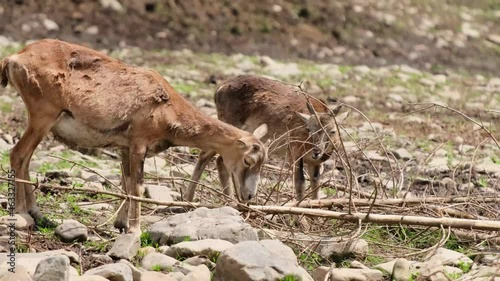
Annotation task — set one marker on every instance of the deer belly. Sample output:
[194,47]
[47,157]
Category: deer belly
[76,133]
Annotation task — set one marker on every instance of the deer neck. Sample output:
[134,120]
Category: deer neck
[204,132]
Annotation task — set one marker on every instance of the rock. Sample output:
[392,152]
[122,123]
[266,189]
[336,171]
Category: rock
[113,272]
[401,270]
[126,246]
[4,146]
[156,276]
[362,69]
[493,259]
[252,261]
[95,206]
[163,249]
[373,155]
[427,82]
[22,222]
[437,165]
[92,30]
[147,250]
[20,273]
[431,268]
[50,25]
[101,259]
[8,138]
[452,270]
[158,192]
[162,261]
[354,274]
[222,223]
[334,249]
[30,261]
[112,4]
[53,269]
[283,70]
[136,272]
[88,278]
[207,247]
[409,70]
[488,167]
[403,154]
[449,257]
[469,31]
[319,273]
[199,273]
[439,78]
[71,231]
[195,261]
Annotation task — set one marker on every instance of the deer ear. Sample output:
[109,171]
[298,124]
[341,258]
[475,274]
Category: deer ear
[340,118]
[260,131]
[335,110]
[310,108]
[303,116]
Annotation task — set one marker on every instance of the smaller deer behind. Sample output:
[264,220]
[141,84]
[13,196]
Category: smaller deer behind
[249,101]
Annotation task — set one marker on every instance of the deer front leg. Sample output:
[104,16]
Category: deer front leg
[299,179]
[121,221]
[224,177]
[137,156]
[314,177]
[20,158]
[201,164]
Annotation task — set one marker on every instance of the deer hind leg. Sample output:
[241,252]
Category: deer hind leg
[137,157]
[224,177]
[121,221]
[314,172]
[299,179]
[20,157]
[201,164]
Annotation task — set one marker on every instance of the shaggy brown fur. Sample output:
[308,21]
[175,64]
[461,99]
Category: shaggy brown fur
[90,100]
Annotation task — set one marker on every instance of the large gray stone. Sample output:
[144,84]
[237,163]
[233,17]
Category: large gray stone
[207,247]
[30,261]
[71,231]
[112,272]
[335,249]
[355,274]
[153,260]
[222,223]
[199,273]
[88,278]
[126,246]
[449,257]
[252,261]
[158,192]
[53,269]
[401,270]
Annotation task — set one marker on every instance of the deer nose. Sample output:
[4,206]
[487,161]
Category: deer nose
[315,153]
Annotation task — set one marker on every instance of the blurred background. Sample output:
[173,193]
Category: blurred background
[430,35]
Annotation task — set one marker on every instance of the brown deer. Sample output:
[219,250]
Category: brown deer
[90,100]
[248,101]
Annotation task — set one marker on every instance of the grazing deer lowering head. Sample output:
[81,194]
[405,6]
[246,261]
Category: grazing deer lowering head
[248,101]
[90,100]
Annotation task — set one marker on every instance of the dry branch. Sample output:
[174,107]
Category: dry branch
[384,219]
[328,203]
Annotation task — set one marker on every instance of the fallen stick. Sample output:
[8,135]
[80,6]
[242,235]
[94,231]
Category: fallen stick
[354,217]
[328,203]
[383,219]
